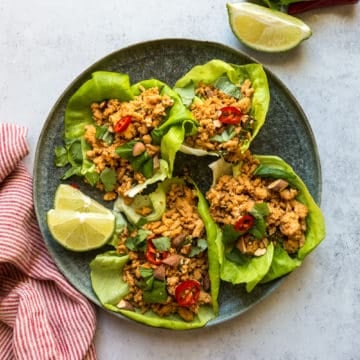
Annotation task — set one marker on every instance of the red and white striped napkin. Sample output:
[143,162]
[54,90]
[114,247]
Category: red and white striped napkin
[41,315]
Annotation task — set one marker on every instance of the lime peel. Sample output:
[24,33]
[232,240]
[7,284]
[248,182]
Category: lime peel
[265,29]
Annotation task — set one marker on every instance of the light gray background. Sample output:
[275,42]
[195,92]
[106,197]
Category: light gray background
[315,313]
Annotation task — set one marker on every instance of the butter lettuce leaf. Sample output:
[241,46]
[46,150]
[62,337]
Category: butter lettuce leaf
[215,71]
[276,262]
[315,221]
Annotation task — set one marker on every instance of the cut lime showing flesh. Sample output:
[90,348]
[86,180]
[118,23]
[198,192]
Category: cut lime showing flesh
[68,197]
[264,29]
[78,222]
[80,231]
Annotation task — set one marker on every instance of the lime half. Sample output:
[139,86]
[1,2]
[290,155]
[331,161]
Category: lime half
[264,29]
[79,223]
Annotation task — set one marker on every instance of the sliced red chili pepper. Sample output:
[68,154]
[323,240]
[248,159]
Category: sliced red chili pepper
[122,124]
[187,293]
[245,223]
[154,256]
[230,115]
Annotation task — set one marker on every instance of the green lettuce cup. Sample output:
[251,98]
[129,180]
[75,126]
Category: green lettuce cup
[229,103]
[111,124]
[165,269]
[270,221]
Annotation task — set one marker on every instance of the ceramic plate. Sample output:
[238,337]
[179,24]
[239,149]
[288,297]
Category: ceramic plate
[286,133]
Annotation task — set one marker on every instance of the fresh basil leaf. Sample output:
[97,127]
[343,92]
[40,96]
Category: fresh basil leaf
[146,272]
[226,135]
[237,257]
[103,133]
[125,151]
[162,243]
[148,168]
[201,245]
[259,212]
[273,172]
[230,235]
[108,178]
[226,86]
[61,156]
[157,294]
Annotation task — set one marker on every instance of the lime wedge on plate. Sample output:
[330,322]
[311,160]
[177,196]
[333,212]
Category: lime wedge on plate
[68,197]
[79,223]
[264,29]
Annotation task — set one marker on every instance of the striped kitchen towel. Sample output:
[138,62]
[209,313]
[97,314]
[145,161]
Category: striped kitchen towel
[41,315]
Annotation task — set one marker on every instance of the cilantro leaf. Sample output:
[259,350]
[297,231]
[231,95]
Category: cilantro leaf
[137,242]
[103,133]
[162,243]
[201,246]
[226,135]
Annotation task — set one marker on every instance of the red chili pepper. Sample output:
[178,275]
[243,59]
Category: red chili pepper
[122,124]
[302,6]
[187,293]
[230,115]
[245,223]
[153,256]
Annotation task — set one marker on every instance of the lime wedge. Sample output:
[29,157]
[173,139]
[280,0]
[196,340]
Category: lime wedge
[68,197]
[264,29]
[78,222]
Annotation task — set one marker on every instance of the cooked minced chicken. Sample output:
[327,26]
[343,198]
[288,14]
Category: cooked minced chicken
[147,111]
[234,196]
[207,113]
[183,225]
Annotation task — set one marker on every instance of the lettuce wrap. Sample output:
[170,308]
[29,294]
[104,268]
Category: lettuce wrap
[237,267]
[175,124]
[227,79]
[108,270]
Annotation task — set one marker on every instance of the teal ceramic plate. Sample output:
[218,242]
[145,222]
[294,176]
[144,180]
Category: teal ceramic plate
[286,133]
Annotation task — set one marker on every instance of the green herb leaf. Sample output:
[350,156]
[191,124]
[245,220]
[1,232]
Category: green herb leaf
[75,152]
[125,151]
[61,156]
[226,86]
[75,170]
[92,177]
[148,278]
[230,235]
[103,133]
[157,294]
[237,257]
[162,243]
[137,242]
[259,212]
[226,135]
[108,178]
[201,246]
[273,172]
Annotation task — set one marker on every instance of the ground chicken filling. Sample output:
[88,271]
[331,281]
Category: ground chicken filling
[213,134]
[234,196]
[146,112]
[181,263]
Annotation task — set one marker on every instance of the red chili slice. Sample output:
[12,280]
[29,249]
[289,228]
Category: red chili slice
[187,293]
[122,124]
[153,256]
[230,115]
[245,223]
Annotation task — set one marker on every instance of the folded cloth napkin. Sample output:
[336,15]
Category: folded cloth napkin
[41,315]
